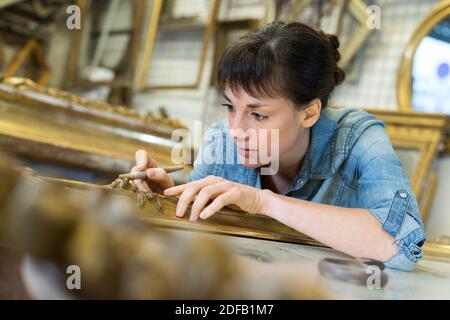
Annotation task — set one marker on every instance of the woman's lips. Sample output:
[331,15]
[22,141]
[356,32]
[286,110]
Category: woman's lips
[245,152]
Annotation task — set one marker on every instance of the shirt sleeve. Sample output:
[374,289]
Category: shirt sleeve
[384,189]
[205,163]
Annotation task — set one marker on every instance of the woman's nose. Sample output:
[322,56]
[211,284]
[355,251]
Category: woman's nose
[238,128]
[238,134]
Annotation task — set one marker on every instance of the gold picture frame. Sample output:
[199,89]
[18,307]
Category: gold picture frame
[425,133]
[32,49]
[358,10]
[175,25]
[72,62]
[127,63]
[404,74]
[433,250]
[60,128]
[160,212]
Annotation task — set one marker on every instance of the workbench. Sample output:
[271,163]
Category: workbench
[272,261]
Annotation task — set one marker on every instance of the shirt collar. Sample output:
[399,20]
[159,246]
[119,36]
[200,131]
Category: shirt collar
[318,163]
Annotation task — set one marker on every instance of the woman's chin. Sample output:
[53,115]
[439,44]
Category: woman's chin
[250,163]
[253,166]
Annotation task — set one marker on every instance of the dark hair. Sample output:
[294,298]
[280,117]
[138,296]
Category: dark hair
[288,59]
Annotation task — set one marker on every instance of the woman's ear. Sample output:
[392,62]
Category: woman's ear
[311,114]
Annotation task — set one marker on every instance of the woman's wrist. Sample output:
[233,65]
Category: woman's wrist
[280,207]
[268,202]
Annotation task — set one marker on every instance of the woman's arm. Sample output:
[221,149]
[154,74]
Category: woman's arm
[353,231]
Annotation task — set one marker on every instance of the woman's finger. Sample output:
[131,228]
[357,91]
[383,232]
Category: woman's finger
[141,184]
[190,192]
[144,160]
[217,204]
[176,190]
[161,177]
[201,183]
[141,160]
[204,196]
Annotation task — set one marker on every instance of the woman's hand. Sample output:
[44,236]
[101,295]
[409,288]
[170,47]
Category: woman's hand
[223,192]
[157,179]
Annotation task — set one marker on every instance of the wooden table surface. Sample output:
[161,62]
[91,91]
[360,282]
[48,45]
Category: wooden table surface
[273,261]
[429,280]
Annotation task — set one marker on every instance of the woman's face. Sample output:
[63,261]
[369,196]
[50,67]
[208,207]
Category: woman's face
[262,128]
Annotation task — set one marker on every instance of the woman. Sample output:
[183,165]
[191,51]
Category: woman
[338,179]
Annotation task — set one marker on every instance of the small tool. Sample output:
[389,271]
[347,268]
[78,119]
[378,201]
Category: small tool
[358,271]
[125,180]
[143,174]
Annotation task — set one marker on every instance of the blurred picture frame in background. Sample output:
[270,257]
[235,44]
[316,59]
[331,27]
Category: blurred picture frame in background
[166,42]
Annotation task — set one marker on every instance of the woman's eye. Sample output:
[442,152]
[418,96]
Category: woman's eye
[259,117]
[229,107]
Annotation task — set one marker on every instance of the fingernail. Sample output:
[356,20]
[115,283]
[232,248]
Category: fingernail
[168,191]
[178,211]
[150,173]
[203,215]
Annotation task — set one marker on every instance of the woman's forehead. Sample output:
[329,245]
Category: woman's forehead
[241,96]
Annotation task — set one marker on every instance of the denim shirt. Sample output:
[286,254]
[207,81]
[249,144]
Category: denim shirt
[350,163]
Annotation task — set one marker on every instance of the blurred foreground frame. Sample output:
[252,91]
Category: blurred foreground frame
[126,252]
[121,251]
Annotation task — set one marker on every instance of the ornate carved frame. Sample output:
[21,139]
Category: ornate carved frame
[404,73]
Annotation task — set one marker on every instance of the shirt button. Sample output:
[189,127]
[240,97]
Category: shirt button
[403,195]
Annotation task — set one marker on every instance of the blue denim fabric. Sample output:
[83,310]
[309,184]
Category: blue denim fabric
[350,163]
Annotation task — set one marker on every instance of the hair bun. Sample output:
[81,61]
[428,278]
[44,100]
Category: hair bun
[339,75]
[334,42]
